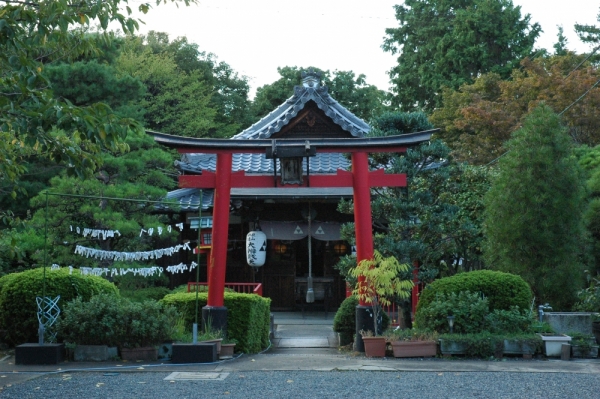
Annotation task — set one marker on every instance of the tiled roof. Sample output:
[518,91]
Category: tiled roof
[189,198]
[282,115]
[258,163]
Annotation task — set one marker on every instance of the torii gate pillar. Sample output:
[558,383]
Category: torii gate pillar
[215,310]
[364,235]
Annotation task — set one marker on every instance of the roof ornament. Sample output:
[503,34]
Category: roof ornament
[311,78]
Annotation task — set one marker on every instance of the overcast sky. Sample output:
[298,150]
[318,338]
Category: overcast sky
[256,36]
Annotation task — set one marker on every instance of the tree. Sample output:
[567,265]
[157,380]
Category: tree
[478,118]
[436,220]
[588,33]
[225,90]
[146,172]
[353,92]
[534,209]
[448,43]
[32,120]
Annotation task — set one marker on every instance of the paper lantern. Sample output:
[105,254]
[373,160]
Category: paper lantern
[256,248]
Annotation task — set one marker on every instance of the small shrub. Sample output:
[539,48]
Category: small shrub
[248,317]
[469,311]
[115,321]
[18,307]
[508,321]
[98,321]
[479,345]
[588,300]
[144,294]
[503,290]
[411,334]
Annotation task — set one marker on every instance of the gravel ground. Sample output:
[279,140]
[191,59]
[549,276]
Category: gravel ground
[311,384]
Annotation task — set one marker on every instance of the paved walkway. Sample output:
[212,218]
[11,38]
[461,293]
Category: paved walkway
[304,330]
[303,343]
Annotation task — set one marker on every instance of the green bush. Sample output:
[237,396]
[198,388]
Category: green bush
[18,307]
[485,344]
[502,290]
[98,321]
[480,345]
[469,311]
[344,320]
[509,321]
[144,294]
[114,321]
[248,317]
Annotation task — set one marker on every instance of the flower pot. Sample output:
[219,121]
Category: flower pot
[414,348]
[226,351]
[517,347]
[134,354]
[553,343]
[217,341]
[448,347]
[94,353]
[586,353]
[374,346]
[596,330]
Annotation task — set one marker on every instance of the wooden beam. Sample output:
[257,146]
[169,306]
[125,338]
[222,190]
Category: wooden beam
[342,178]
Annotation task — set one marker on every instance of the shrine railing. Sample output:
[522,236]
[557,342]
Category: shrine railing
[242,288]
[394,312]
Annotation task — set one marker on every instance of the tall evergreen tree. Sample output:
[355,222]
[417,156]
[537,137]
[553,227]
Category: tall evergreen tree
[534,210]
[447,43]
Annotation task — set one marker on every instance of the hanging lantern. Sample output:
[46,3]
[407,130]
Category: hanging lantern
[340,248]
[280,248]
[256,248]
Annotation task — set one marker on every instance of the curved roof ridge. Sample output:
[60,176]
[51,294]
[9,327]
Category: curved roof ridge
[275,120]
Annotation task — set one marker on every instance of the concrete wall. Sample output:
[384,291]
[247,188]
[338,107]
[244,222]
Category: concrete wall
[566,322]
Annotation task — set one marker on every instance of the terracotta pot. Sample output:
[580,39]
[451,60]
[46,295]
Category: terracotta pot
[374,346]
[218,341]
[145,353]
[226,351]
[414,348]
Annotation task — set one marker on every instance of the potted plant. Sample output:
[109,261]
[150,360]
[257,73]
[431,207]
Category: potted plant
[374,345]
[91,330]
[382,280]
[413,342]
[146,325]
[227,348]
[522,344]
[583,345]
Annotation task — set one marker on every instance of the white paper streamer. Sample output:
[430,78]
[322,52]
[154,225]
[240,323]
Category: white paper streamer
[129,256]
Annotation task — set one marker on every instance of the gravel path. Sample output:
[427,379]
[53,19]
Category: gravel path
[311,384]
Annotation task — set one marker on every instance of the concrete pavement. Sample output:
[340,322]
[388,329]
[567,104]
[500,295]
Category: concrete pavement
[303,343]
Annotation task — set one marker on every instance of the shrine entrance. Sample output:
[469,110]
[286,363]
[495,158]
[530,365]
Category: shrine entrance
[285,275]
[297,152]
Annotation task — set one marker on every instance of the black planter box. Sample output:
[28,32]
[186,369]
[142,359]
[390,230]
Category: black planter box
[194,353]
[40,354]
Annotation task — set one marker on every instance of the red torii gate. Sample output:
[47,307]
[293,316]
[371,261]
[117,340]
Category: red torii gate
[360,179]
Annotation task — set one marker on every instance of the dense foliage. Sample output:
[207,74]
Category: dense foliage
[534,211]
[248,317]
[18,308]
[501,290]
[353,92]
[113,321]
[477,119]
[447,43]
[33,121]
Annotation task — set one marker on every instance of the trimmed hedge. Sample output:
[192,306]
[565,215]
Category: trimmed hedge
[114,321]
[503,290]
[248,317]
[18,307]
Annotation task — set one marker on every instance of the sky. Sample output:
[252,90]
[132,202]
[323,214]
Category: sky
[256,36]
